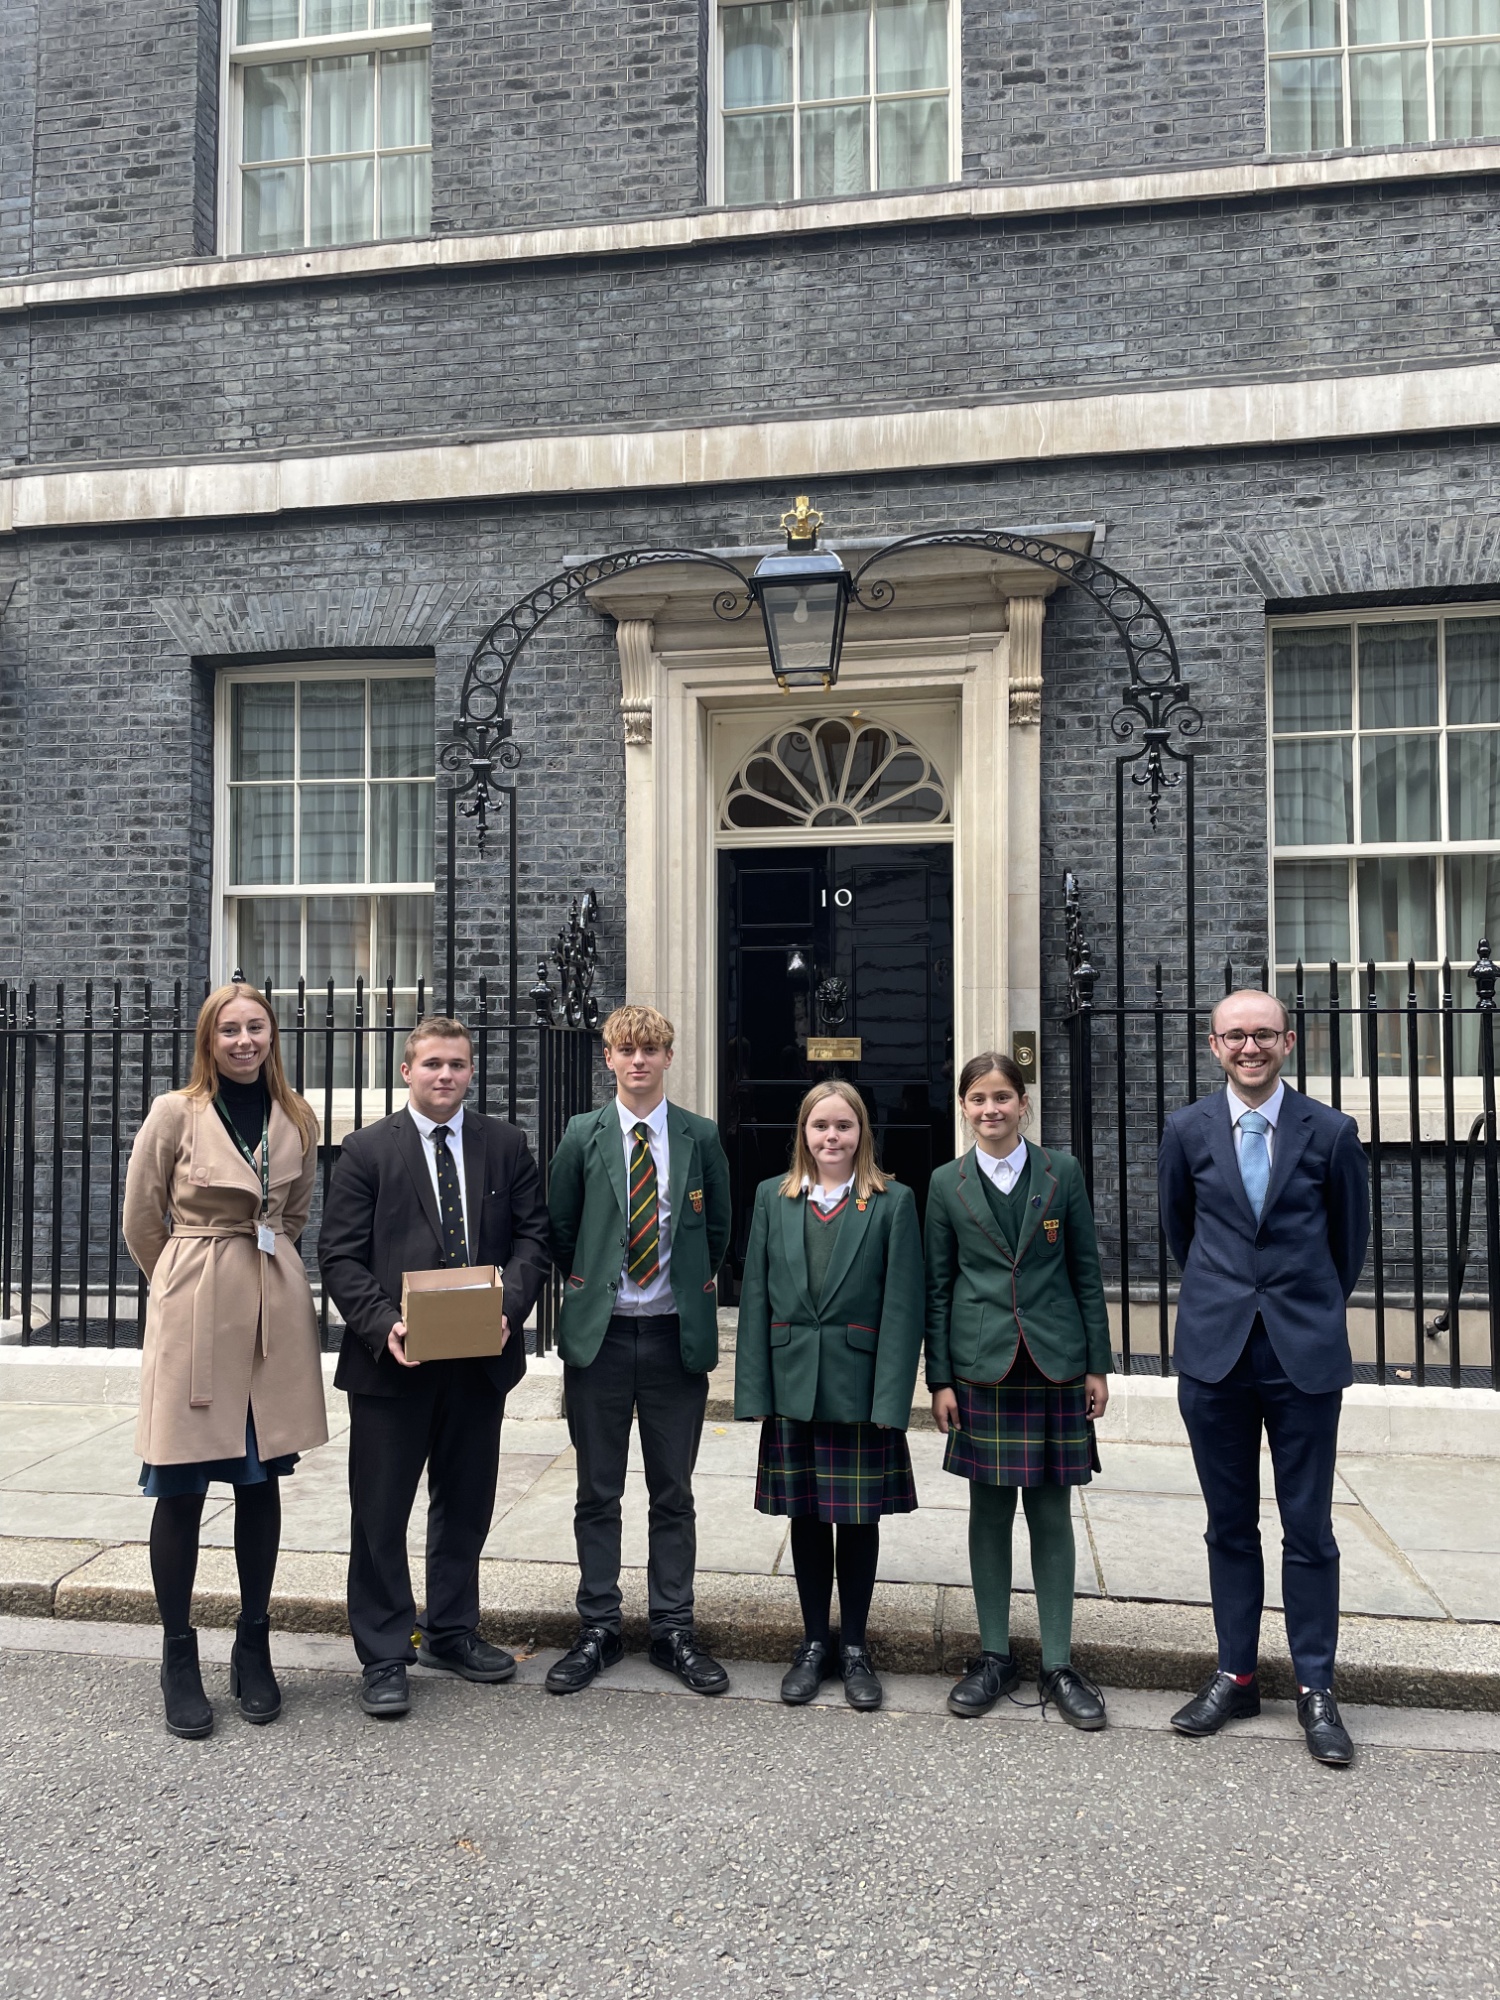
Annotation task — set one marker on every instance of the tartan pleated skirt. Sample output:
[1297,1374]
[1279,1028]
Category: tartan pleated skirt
[849,1474]
[1024,1431]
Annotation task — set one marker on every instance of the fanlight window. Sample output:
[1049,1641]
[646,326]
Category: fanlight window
[836,773]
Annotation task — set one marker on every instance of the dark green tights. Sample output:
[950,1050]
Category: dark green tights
[1049,1519]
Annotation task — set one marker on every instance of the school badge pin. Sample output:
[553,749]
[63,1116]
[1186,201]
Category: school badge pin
[861,1204]
[1051,1224]
[695,1196]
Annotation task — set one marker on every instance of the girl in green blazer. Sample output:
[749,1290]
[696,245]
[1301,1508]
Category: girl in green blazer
[1018,1349]
[826,1356]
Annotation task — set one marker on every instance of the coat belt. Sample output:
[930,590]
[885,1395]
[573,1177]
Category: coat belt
[201,1383]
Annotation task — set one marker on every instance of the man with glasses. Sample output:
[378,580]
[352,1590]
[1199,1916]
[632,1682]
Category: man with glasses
[1265,1201]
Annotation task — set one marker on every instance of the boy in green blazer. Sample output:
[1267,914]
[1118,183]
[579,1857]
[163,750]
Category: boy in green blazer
[640,1212]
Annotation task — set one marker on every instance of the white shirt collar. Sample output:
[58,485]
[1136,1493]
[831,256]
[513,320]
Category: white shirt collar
[1270,1110]
[826,1197]
[1015,1161]
[654,1121]
[427,1126]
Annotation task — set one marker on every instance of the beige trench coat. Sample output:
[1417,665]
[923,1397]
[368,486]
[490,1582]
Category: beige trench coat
[227,1327]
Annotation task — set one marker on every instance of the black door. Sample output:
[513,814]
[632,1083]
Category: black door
[835,942]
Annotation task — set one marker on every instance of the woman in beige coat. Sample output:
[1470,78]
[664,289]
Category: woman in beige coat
[218,1189]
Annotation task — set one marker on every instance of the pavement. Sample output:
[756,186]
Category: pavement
[639,1841]
[1419,1533]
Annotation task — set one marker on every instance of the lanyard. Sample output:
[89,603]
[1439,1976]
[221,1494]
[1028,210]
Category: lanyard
[245,1152]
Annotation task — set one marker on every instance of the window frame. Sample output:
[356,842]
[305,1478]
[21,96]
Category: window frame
[1345,50]
[716,116]
[234,61]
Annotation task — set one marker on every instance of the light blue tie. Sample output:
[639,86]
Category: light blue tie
[1255,1158]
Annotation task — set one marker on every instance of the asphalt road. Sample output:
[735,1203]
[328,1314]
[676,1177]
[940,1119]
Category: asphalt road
[503,1842]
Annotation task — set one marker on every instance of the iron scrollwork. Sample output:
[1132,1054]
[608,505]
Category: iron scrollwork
[575,954]
[1082,976]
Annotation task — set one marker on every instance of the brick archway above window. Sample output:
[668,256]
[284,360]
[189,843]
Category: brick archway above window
[403,617]
[1364,559]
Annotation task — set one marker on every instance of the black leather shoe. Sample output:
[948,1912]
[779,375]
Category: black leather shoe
[812,1664]
[384,1691]
[1074,1696]
[471,1657]
[594,1649]
[188,1711]
[1221,1699]
[862,1687]
[251,1680]
[984,1681]
[679,1653]
[1327,1738]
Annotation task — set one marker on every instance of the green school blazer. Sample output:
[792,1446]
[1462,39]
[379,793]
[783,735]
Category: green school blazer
[980,1300]
[586,1199]
[851,1357]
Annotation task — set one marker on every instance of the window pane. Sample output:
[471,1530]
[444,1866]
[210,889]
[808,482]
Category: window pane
[341,200]
[264,730]
[343,105]
[333,729]
[1302,24]
[757,55]
[1398,676]
[1473,906]
[913,136]
[1312,679]
[275,21]
[402,13]
[271,218]
[403,939]
[1386,20]
[1314,800]
[1465,17]
[1468,91]
[405,98]
[1474,785]
[337,17]
[1398,908]
[911,44]
[401,729]
[1391,990]
[406,194]
[1312,912]
[1472,649]
[836,150]
[1306,108]
[1398,795]
[268,940]
[401,833]
[835,48]
[338,941]
[758,158]
[333,834]
[273,111]
[260,838]
[1388,99]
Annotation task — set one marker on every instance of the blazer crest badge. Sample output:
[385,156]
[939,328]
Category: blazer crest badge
[695,1196]
[1052,1227]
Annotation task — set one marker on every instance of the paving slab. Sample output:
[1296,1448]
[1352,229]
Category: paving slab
[30,1572]
[34,1432]
[106,1461]
[1165,1468]
[932,1546]
[98,1517]
[1431,1503]
[1465,1584]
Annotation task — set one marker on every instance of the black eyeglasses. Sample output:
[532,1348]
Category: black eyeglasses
[1236,1038]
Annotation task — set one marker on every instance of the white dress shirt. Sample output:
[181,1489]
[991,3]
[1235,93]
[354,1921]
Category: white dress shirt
[827,1197]
[427,1126]
[1004,1173]
[1270,1111]
[643,1301]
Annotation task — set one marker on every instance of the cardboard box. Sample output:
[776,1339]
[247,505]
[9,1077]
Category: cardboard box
[452,1314]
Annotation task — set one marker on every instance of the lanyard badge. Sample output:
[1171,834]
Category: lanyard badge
[265,1235]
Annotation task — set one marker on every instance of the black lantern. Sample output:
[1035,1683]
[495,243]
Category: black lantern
[803,597]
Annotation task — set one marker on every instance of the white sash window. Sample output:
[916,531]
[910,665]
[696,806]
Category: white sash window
[1343,73]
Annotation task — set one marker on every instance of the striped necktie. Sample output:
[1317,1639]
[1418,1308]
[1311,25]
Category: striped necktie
[450,1200]
[643,1253]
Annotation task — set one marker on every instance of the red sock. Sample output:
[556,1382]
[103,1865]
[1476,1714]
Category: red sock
[1242,1680]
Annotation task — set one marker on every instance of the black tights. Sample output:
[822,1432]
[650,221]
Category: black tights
[816,1557]
[174,1551]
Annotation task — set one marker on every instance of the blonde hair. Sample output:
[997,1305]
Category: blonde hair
[204,1081]
[435,1028]
[868,1179]
[637,1028]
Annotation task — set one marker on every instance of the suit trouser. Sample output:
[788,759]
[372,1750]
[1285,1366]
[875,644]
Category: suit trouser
[448,1419]
[1224,1422]
[637,1372]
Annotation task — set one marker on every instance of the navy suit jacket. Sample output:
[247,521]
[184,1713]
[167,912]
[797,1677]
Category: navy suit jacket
[1296,1267]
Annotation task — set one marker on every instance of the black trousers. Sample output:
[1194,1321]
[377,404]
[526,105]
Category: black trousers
[638,1372]
[1224,1424]
[448,1419]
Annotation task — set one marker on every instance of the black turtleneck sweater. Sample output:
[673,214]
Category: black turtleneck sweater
[246,1104]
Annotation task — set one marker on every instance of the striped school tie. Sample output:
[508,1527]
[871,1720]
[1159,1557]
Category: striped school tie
[643,1253]
[450,1199]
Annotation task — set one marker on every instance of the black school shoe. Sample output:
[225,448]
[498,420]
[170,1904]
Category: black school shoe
[595,1648]
[679,1653]
[985,1681]
[471,1657]
[1221,1699]
[812,1664]
[384,1692]
[862,1687]
[1074,1696]
[1327,1738]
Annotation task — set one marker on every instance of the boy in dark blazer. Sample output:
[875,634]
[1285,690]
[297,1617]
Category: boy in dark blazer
[436,1185]
[640,1211]
[1265,1201]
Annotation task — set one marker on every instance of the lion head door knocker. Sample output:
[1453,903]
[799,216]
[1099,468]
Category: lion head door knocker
[833,1001]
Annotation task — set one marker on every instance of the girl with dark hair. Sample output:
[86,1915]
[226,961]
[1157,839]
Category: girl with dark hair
[217,1192]
[1018,1349]
[830,1335]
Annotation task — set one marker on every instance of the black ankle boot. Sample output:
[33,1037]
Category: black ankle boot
[251,1680]
[188,1712]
